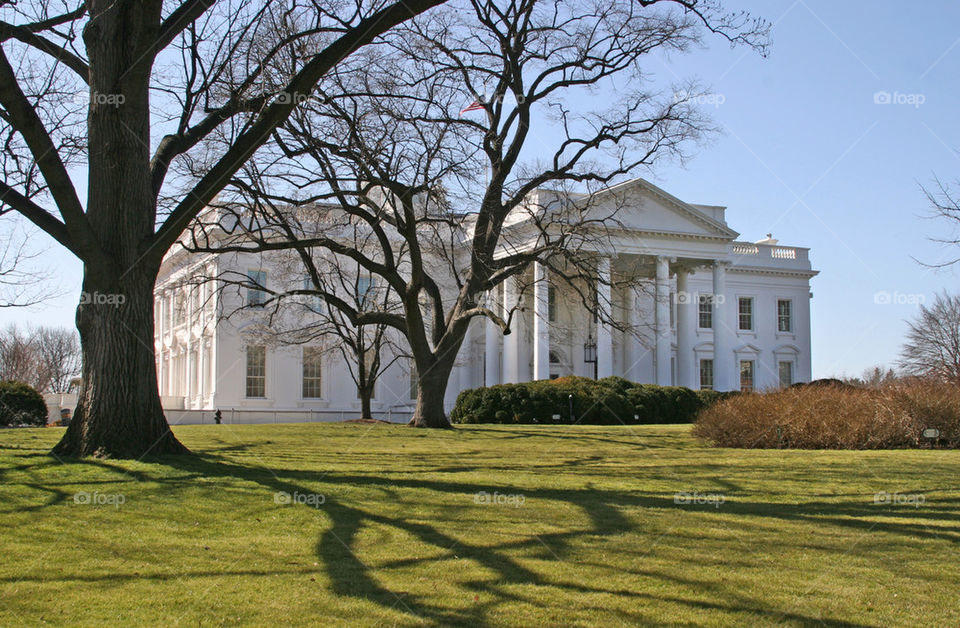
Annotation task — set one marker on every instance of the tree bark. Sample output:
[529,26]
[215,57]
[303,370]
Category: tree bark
[431,389]
[365,394]
[118,412]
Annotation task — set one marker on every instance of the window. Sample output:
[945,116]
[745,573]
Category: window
[366,287]
[705,310]
[745,311]
[706,374]
[312,373]
[552,304]
[256,372]
[312,301]
[413,380]
[746,375]
[786,373]
[255,296]
[784,315]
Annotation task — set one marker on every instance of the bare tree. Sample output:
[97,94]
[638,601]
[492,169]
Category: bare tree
[293,313]
[460,200]
[201,65]
[18,358]
[47,358]
[945,207]
[932,348]
[23,281]
[58,351]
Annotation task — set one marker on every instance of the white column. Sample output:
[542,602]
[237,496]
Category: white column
[663,321]
[604,336]
[686,363]
[511,341]
[541,320]
[630,344]
[191,388]
[491,347]
[724,373]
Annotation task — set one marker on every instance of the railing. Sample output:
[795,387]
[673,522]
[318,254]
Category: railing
[769,252]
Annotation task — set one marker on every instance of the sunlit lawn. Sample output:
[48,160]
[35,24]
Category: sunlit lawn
[588,531]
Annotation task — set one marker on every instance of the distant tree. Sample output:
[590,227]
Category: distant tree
[46,358]
[945,207]
[932,348]
[58,353]
[19,358]
[873,377]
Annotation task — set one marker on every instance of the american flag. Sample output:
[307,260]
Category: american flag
[474,106]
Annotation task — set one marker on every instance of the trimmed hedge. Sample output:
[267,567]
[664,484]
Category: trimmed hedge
[609,401]
[21,404]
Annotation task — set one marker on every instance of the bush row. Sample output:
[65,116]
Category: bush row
[21,404]
[609,401]
[833,417]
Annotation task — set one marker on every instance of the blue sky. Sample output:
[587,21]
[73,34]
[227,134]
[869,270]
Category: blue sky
[806,153]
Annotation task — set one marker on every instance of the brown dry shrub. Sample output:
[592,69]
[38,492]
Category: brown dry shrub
[813,417]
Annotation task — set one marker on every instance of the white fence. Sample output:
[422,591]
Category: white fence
[241,416]
[179,416]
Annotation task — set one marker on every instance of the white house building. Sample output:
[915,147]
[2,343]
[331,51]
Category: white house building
[716,312]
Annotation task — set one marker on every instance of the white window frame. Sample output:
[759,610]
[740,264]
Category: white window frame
[753,374]
[703,299]
[248,376]
[254,276]
[315,380]
[752,313]
[790,318]
[793,372]
[700,374]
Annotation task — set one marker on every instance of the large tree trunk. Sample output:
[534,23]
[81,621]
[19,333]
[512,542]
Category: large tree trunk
[119,412]
[431,388]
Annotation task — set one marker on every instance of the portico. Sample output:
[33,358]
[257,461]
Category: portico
[675,305]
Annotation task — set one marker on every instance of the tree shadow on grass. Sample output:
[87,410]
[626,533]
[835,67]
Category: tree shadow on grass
[336,546]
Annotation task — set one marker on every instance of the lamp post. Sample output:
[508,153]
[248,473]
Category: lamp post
[572,418]
[590,353]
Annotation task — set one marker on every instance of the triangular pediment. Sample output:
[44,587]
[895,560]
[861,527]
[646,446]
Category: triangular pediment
[641,206]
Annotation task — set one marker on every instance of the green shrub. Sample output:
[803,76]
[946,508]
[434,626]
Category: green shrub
[21,404]
[609,401]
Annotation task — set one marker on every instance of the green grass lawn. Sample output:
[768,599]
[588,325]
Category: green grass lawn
[572,526]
